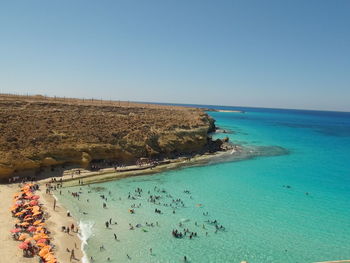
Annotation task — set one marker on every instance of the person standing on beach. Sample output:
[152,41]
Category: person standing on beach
[72,256]
[54,204]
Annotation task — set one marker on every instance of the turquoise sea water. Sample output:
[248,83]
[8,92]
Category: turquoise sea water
[289,208]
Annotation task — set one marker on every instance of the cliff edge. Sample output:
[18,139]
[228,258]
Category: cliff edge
[39,131]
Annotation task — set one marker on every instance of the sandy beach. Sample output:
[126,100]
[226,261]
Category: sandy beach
[9,248]
[56,218]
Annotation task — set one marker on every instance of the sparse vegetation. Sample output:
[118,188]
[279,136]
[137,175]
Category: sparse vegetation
[35,127]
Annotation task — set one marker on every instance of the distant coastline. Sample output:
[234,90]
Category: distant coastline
[218,110]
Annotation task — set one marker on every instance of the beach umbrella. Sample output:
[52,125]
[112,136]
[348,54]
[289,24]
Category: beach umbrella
[23,245]
[28,219]
[41,244]
[37,213]
[40,236]
[23,236]
[45,250]
[31,229]
[33,202]
[15,230]
[37,222]
[24,224]
[40,229]
[19,213]
[35,197]
[48,256]
[42,241]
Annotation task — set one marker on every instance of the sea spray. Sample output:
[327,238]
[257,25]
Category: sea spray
[86,231]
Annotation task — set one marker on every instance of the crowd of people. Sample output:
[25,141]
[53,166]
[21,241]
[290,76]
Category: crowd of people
[163,202]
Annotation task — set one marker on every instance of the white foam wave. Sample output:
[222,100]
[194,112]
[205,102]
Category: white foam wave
[86,231]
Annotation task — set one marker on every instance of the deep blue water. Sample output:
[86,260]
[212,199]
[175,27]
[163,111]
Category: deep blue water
[293,207]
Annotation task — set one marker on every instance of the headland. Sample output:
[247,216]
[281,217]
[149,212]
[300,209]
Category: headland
[86,141]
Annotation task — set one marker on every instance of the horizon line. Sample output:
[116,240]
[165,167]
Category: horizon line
[170,103]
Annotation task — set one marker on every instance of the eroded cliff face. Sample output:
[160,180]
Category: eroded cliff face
[39,132]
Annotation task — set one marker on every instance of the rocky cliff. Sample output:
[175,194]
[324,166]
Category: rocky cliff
[39,132]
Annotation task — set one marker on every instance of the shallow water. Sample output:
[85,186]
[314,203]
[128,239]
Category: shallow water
[288,208]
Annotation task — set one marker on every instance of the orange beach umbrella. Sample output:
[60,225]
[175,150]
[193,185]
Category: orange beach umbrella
[40,236]
[39,228]
[41,244]
[37,222]
[19,213]
[45,250]
[23,236]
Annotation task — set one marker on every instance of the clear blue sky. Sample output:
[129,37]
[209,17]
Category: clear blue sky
[287,54]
